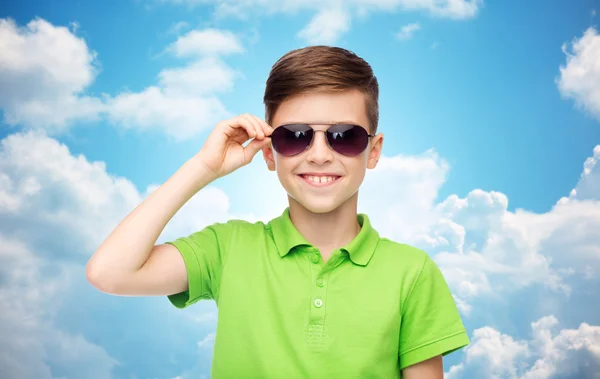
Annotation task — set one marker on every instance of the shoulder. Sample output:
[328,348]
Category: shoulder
[408,255]
[238,226]
[418,273]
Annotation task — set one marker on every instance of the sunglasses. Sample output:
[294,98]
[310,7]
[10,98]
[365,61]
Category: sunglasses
[346,139]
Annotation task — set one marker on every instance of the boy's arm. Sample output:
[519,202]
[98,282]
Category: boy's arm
[432,368]
[128,262]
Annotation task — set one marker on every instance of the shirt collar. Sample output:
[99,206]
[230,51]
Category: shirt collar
[360,249]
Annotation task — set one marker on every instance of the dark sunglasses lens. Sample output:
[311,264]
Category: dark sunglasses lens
[349,140]
[290,140]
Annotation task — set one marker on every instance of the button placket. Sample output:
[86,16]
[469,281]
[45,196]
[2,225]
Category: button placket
[317,287]
[317,331]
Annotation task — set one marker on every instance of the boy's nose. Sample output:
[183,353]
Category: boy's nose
[320,152]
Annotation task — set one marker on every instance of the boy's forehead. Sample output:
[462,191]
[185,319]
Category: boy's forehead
[322,108]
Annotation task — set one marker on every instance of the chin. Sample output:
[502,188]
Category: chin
[319,207]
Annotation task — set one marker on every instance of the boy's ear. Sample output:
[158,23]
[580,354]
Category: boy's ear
[375,152]
[267,151]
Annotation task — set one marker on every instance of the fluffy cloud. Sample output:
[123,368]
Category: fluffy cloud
[199,43]
[48,189]
[513,250]
[580,76]
[185,100]
[333,18]
[45,71]
[568,353]
[180,117]
[455,9]
[30,291]
[326,26]
[588,187]
[56,205]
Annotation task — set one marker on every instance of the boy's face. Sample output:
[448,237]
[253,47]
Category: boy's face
[316,109]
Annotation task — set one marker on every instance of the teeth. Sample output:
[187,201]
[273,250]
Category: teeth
[319,179]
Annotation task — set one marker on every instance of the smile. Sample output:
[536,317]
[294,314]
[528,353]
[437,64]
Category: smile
[320,180]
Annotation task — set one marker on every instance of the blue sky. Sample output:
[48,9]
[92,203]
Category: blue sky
[491,114]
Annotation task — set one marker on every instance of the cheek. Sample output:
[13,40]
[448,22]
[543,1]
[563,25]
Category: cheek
[358,170]
[284,167]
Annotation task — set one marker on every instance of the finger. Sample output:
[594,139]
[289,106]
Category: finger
[250,129]
[268,129]
[260,134]
[233,127]
[254,147]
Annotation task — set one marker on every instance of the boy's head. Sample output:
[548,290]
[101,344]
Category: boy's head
[320,86]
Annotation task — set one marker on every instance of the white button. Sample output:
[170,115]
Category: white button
[318,303]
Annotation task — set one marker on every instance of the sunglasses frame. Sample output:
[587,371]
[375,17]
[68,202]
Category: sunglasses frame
[331,125]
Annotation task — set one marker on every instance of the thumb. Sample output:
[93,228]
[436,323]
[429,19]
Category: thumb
[254,147]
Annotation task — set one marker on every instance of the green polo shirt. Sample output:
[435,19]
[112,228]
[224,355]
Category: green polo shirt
[375,307]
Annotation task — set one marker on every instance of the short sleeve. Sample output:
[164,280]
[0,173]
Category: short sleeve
[204,253]
[431,324]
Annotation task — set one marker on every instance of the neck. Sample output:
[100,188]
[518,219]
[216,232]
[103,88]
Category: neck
[327,231]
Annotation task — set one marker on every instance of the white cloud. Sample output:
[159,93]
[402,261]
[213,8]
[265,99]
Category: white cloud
[199,43]
[203,77]
[178,116]
[422,176]
[455,9]
[588,187]
[184,102]
[407,31]
[333,17]
[514,250]
[580,76]
[51,190]
[326,26]
[30,292]
[570,353]
[44,71]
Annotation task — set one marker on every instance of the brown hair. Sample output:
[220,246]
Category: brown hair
[321,69]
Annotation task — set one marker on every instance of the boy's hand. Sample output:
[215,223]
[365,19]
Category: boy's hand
[223,152]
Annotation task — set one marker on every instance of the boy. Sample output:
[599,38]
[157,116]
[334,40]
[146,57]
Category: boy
[315,292]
